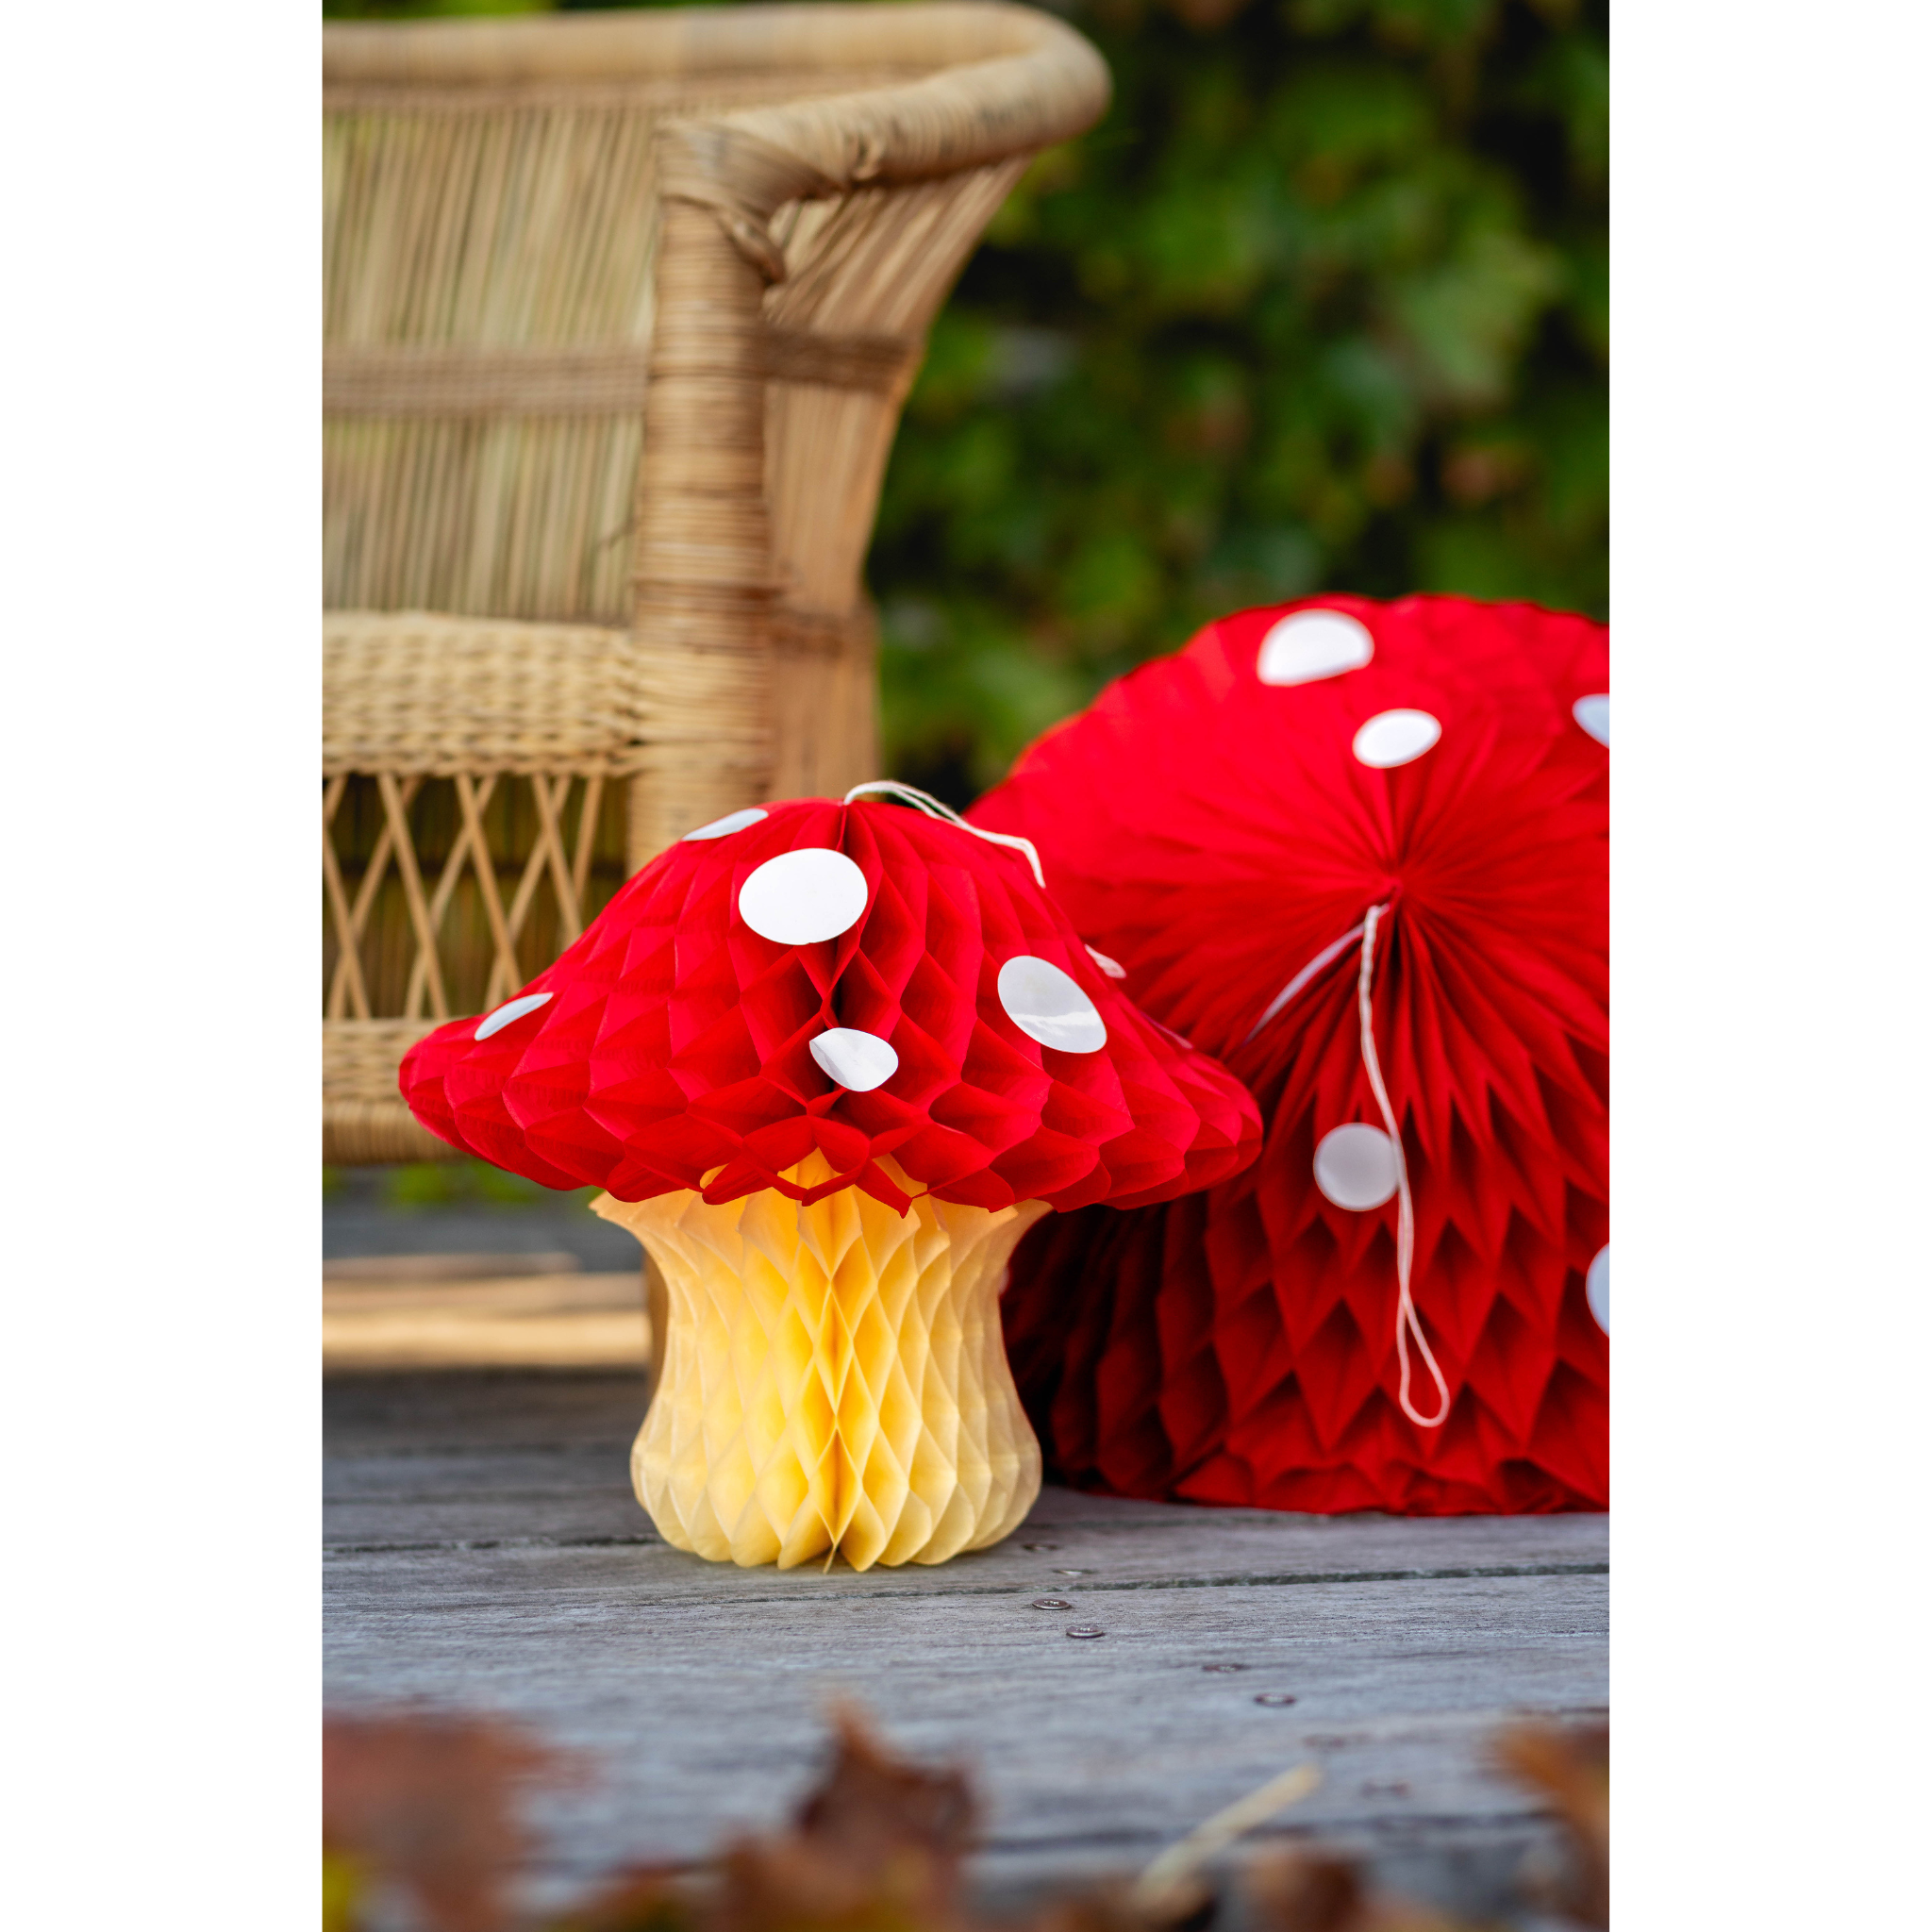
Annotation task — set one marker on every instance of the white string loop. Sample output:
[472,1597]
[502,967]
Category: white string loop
[1330,952]
[1407,1321]
[912,794]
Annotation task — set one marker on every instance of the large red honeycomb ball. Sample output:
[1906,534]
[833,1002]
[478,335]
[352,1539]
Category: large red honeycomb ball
[1222,823]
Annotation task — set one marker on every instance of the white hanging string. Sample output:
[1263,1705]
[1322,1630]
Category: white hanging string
[912,794]
[1406,1322]
[1321,959]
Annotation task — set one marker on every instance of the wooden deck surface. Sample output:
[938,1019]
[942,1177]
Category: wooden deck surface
[484,1551]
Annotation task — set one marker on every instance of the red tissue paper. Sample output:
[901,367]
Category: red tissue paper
[1222,823]
[841,979]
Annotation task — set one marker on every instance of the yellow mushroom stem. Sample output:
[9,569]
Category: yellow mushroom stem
[832,1378]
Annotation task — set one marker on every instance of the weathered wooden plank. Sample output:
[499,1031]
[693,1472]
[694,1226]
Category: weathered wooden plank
[485,1557]
[386,1271]
[707,1714]
[407,1458]
[409,1414]
[1070,1542]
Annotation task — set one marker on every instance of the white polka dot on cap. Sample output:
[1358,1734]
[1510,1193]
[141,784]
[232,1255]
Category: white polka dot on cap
[513,1010]
[1355,1167]
[1596,1288]
[855,1059]
[1048,1005]
[1396,738]
[799,897]
[1310,644]
[1594,714]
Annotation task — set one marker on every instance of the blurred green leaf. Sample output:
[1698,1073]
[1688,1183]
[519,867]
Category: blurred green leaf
[1328,294]
[1466,320]
[420,10]
[451,1183]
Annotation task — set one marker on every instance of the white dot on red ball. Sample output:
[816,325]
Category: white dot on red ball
[855,1059]
[1048,1005]
[511,1009]
[1355,1167]
[799,897]
[1396,738]
[1596,1288]
[1594,714]
[731,821]
[1311,645]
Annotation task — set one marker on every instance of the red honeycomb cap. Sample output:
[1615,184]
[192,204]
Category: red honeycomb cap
[856,980]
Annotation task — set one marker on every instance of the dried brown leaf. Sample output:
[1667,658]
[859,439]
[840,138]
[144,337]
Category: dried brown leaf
[646,1898]
[433,1803]
[1117,1906]
[876,1847]
[1570,1766]
[1298,1891]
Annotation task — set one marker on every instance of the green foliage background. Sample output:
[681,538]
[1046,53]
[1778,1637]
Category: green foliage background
[1320,304]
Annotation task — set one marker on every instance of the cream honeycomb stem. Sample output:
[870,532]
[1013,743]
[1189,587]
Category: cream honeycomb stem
[832,1378]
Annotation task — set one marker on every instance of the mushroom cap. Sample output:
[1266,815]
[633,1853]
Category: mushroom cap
[1218,822]
[696,1036]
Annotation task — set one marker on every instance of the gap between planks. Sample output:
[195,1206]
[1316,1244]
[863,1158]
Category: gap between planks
[1507,1572]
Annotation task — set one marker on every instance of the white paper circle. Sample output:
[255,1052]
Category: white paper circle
[1048,1005]
[731,821]
[514,1009]
[1597,1287]
[853,1058]
[1308,644]
[1395,738]
[1355,1166]
[1112,968]
[813,893]
[1594,714]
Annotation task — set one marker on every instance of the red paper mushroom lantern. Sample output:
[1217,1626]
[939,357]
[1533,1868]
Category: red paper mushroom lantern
[1359,851]
[830,1061]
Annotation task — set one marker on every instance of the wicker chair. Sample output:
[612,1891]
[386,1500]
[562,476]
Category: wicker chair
[556,640]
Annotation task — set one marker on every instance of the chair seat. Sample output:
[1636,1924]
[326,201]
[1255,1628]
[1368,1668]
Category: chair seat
[412,691]
[364,1122]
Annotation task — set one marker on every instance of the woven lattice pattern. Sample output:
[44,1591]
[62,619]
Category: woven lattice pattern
[411,692]
[834,1381]
[552,878]
[467,884]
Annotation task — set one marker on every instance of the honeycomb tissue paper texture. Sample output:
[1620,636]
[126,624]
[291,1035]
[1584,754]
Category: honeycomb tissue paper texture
[1414,1322]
